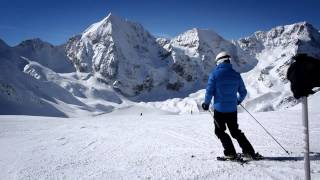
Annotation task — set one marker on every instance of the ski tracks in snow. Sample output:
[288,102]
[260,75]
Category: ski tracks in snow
[148,147]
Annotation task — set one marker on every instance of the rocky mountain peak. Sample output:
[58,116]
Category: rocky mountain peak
[196,37]
[274,49]
[103,27]
[35,43]
[121,52]
[294,36]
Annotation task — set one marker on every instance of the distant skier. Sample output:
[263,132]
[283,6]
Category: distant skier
[224,84]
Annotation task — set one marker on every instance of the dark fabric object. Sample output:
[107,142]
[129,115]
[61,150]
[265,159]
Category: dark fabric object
[231,120]
[226,56]
[227,61]
[205,106]
[304,75]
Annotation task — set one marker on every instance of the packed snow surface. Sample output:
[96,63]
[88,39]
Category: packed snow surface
[156,145]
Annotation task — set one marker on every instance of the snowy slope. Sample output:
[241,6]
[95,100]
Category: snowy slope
[29,88]
[23,92]
[128,146]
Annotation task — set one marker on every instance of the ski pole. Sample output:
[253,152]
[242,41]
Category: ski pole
[265,130]
[214,120]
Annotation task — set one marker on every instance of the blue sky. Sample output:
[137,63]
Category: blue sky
[57,20]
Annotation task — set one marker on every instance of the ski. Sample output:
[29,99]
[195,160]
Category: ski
[256,158]
[237,159]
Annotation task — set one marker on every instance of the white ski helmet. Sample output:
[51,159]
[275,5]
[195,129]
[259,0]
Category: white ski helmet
[222,56]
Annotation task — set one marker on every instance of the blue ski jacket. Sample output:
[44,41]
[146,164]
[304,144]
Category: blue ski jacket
[227,88]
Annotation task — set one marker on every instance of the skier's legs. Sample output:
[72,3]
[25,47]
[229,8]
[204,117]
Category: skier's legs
[220,127]
[238,134]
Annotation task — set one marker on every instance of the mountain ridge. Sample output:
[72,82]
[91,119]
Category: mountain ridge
[116,62]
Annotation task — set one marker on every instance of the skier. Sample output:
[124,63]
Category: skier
[224,84]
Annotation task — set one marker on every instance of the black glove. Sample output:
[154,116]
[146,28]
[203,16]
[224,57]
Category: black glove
[238,102]
[205,106]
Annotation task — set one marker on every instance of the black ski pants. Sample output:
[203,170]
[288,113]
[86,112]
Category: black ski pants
[230,119]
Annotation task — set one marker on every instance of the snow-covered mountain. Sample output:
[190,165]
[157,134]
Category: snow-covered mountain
[193,53]
[199,47]
[127,56]
[121,53]
[267,83]
[29,88]
[115,60]
[53,57]
[21,93]
[268,88]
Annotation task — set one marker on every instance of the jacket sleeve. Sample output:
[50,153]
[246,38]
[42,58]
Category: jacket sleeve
[242,91]
[210,90]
